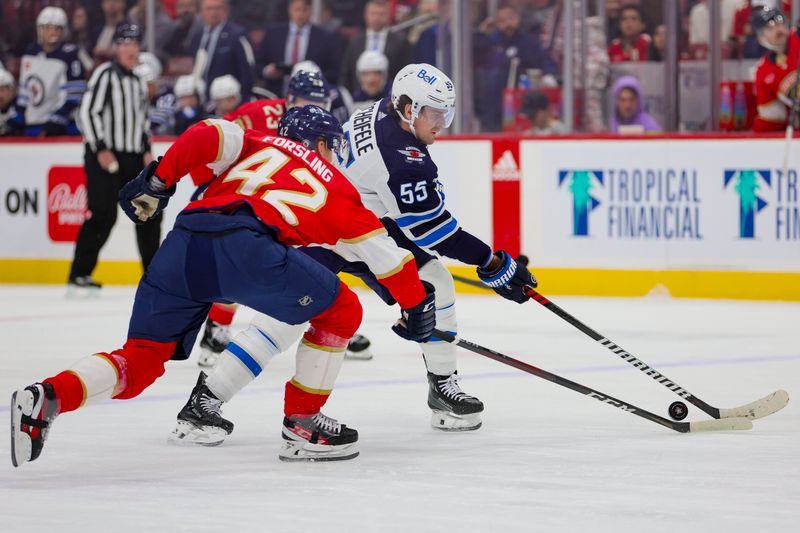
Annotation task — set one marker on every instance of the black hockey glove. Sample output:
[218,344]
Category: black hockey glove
[417,323]
[509,279]
[146,195]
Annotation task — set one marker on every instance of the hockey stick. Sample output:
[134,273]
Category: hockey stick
[738,423]
[758,409]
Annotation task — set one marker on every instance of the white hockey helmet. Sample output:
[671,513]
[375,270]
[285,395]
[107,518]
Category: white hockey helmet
[188,85]
[372,61]
[307,65]
[225,87]
[51,16]
[426,86]
[6,79]
[149,67]
[54,16]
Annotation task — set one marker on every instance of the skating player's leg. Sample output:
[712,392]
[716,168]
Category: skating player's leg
[243,359]
[121,374]
[453,409]
[309,434]
[216,334]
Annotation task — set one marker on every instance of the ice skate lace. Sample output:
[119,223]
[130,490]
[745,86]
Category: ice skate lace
[327,423]
[450,388]
[211,405]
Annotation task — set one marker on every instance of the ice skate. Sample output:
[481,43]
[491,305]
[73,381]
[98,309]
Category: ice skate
[33,410]
[83,286]
[358,348]
[200,421]
[453,409]
[215,338]
[317,438]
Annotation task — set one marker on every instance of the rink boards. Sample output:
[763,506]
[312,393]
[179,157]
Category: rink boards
[697,217]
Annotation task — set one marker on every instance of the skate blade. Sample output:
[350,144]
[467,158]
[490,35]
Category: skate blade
[186,434]
[447,421]
[78,293]
[302,451]
[21,445]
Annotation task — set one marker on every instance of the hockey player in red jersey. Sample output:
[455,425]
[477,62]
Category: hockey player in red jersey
[776,74]
[236,245]
[305,87]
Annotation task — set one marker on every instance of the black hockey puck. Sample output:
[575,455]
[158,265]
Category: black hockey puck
[678,410]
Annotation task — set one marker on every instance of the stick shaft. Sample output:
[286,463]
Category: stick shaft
[681,427]
[623,354]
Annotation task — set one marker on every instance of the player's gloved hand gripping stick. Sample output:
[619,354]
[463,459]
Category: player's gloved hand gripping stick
[417,323]
[146,195]
[507,277]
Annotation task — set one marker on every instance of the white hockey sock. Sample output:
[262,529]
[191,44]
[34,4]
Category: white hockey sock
[440,356]
[98,377]
[247,355]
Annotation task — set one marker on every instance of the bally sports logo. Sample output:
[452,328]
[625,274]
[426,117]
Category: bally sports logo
[67,203]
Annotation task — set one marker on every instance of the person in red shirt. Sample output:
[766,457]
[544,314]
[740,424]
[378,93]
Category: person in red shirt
[236,244]
[776,74]
[634,44]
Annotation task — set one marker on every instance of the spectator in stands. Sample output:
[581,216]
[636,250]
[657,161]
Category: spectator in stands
[164,26]
[699,17]
[425,7]
[503,32]
[103,41]
[226,93]
[504,53]
[629,116]
[187,24]
[289,43]
[12,122]
[52,78]
[375,37]
[373,80]
[79,34]
[658,46]
[634,44]
[189,94]
[221,47]
[536,106]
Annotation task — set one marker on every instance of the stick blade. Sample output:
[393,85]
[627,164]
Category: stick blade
[766,406]
[723,424]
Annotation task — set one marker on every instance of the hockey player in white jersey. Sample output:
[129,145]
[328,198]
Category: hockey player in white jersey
[387,159]
[52,78]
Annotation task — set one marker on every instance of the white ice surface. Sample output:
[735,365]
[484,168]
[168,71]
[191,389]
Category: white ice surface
[546,459]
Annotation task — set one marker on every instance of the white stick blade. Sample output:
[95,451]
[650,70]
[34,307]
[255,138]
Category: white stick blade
[760,408]
[723,424]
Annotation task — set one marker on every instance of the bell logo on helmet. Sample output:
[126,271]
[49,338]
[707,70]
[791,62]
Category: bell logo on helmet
[423,75]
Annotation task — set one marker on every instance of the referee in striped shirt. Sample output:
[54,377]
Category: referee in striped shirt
[113,120]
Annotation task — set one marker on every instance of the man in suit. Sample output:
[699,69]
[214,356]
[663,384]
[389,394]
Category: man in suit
[221,47]
[376,37]
[291,42]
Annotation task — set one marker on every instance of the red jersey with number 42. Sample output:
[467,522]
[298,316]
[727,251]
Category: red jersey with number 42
[293,190]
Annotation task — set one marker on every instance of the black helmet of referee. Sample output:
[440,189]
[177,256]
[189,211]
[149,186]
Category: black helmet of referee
[126,33]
